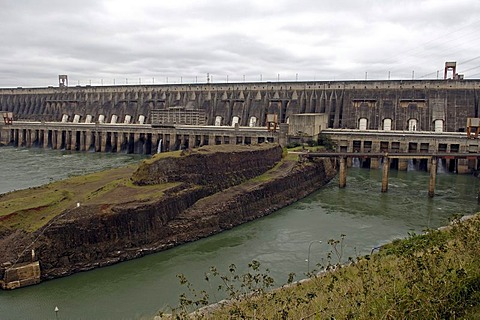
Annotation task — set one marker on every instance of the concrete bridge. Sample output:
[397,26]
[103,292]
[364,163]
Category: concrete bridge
[385,159]
[130,138]
[365,144]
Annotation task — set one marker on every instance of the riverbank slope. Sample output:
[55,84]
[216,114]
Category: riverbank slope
[435,275]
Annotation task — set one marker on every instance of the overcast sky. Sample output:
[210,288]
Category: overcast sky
[150,41]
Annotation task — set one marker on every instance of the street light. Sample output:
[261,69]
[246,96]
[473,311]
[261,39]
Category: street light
[374,248]
[308,259]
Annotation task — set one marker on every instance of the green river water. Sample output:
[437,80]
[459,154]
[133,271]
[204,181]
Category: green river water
[137,289]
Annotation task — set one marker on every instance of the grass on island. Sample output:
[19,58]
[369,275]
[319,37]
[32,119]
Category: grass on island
[430,276]
[32,208]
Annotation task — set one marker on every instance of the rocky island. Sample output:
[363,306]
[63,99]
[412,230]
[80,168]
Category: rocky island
[104,218]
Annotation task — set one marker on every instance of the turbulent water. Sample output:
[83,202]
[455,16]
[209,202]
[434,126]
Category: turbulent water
[137,289]
[24,168]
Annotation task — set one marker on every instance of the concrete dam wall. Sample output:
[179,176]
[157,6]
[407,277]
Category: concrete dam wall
[394,105]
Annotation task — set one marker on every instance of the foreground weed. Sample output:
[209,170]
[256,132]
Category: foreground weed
[431,276]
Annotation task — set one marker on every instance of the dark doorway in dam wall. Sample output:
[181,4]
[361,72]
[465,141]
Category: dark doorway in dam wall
[178,142]
[63,142]
[452,165]
[148,144]
[139,145]
[186,143]
[49,139]
[93,141]
[130,143]
[78,136]
[108,142]
[122,142]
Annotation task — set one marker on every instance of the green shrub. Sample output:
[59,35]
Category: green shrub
[431,276]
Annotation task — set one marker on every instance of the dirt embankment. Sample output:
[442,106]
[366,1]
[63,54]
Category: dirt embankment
[214,190]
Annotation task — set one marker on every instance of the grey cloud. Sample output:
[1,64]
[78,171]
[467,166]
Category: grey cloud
[323,39]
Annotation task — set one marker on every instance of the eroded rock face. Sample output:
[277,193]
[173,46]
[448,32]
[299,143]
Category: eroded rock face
[91,235]
[226,167]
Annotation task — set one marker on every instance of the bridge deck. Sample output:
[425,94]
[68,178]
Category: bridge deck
[394,155]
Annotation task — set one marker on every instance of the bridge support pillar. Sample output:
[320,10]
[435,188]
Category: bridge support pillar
[88,140]
[81,143]
[205,140]
[28,139]
[137,142]
[167,142]
[121,141]
[14,139]
[211,140]
[145,144]
[462,166]
[433,175]
[342,181]
[68,140]
[98,141]
[402,164]
[34,134]
[183,141]
[54,139]
[21,138]
[11,137]
[104,142]
[45,138]
[349,162]
[114,141]
[60,140]
[374,163]
[3,136]
[74,143]
[385,169]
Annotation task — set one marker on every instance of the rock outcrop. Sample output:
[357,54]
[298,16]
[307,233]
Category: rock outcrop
[215,190]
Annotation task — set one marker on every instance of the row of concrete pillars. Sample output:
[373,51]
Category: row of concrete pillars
[84,140]
[453,165]
[385,170]
[111,141]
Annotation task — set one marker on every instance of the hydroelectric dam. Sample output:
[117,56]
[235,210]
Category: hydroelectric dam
[368,121]
[408,116]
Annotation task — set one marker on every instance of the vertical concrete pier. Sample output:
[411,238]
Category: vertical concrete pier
[342,181]
[88,140]
[433,175]
[478,194]
[402,164]
[385,169]
[374,163]
[74,142]
[45,139]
